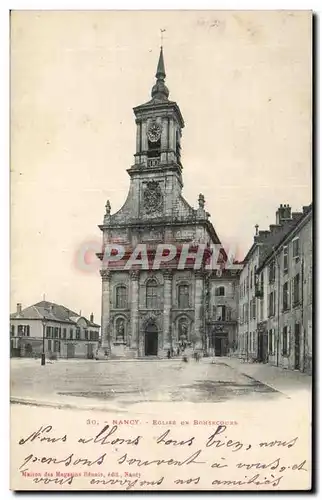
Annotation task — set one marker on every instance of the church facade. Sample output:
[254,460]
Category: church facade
[151,310]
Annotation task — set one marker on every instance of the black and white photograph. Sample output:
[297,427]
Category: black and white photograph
[161,250]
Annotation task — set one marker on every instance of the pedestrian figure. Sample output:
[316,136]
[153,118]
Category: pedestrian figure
[185,359]
[178,351]
[168,354]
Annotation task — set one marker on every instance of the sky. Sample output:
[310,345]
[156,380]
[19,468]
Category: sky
[243,84]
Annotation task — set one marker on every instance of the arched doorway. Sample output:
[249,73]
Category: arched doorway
[151,339]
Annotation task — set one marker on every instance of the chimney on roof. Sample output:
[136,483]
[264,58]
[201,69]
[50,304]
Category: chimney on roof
[19,308]
[283,214]
[91,318]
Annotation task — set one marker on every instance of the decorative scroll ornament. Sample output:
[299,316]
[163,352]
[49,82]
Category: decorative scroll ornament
[154,132]
[152,197]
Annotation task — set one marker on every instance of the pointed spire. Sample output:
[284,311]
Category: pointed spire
[160,90]
[160,74]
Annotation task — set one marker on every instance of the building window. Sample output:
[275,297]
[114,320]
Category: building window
[253,305]
[286,303]
[271,304]
[64,333]
[220,313]
[86,334]
[296,248]
[183,292]
[56,346]
[59,332]
[296,290]
[271,341]
[285,341]
[254,341]
[152,294]
[271,272]
[48,331]
[285,259]
[78,333]
[49,345]
[259,285]
[71,334]
[23,330]
[243,313]
[12,330]
[121,297]
[56,332]
[251,279]
[220,291]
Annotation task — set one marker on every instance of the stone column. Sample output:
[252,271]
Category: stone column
[144,138]
[172,141]
[105,322]
[199,309]
[167,303]
[138,136]
[164,140]
[144,143]
[134,275]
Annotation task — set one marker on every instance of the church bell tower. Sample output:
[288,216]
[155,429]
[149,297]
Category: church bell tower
[159,128]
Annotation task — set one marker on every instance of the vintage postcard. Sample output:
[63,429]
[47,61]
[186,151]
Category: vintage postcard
[161,250]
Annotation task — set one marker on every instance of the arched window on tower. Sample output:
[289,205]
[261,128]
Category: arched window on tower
[152,294]
[183,296]
[154,149]
[121,297]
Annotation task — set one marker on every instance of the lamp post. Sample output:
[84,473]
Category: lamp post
[43,355]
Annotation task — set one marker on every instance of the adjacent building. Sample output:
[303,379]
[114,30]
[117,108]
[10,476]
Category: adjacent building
[285,330]
[275,293]
[53,329]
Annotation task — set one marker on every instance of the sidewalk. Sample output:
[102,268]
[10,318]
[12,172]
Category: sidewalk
[288,382]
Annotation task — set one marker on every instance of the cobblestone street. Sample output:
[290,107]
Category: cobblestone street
[127,383]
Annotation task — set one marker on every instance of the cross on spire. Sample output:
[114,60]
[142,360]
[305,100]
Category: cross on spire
[161,36]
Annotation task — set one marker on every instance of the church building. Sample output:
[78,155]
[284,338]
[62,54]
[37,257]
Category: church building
[148,312]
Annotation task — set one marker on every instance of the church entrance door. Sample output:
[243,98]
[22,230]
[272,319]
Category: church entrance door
[151,340]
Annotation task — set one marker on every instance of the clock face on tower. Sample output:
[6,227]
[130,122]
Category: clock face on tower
[154,132]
